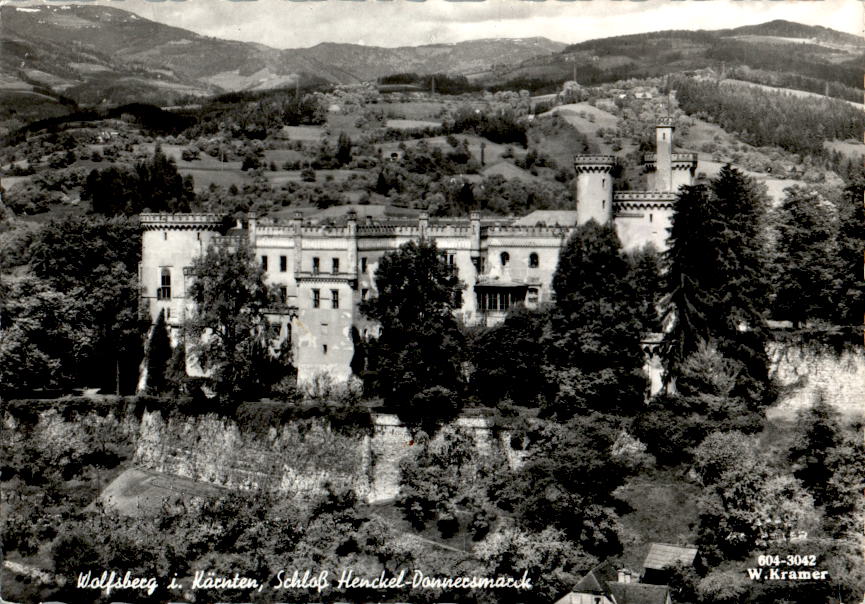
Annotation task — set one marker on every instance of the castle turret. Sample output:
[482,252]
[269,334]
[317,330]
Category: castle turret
[594,188]
[664,156]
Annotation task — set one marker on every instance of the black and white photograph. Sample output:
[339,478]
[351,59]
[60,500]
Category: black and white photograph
[477,302]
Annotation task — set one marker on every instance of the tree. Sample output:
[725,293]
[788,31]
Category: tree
[820,434]
[153,184]
[568,483]
[744,503]
[227,329]
[445,476]
[688,260]
[92,262]
[645,274]
[851,286]
[806,254]
[343,149]
[38,341]
[159,355]
[675,423]
[508,359]
[717,277]
[552,562]
[594,346]
[421,345]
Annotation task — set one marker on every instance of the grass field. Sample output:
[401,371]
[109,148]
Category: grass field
[408,124]
[849,148]
[663,509]
[303,133]
[421,110]
[280,177]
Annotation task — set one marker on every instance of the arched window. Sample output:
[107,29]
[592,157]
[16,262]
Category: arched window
[534,262]
[505,258]
[164,290]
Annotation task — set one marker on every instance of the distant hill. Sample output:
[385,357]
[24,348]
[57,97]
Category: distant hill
[777,53]
[96,54]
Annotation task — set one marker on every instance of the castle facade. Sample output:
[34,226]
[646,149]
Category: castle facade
[326,271]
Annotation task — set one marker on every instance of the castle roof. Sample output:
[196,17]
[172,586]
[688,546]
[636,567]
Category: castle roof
[548,217]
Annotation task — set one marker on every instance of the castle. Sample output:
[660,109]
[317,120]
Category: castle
[325,271]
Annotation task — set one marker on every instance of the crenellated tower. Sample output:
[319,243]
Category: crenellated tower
[169,243]
[664,154]
[594,188]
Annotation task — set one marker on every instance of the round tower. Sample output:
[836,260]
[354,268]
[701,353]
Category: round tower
[594,188]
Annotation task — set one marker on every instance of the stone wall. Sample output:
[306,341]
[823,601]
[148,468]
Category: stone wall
[299,457]
[803,371]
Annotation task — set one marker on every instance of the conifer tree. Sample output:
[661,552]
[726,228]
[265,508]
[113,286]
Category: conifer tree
[820,435]
[158,356]
[645,269]
[595,346]
[805,258]
[689,261]
[851,237]
[717,280]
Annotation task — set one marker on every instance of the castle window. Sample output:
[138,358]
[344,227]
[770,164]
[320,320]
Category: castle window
[264,263]
[334,297]
[274,329]
[650,218]
[165,235]
[316,266]
[316,298]
[324,348]
[335,266]
[505,258]
[167,314]
[532,297]
[364,294]
[164,290]
[363,264]
[198,236]
[534,261]
[283,264]
[283,294]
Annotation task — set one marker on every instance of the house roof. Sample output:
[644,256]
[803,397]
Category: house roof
[603,580]
[595,581]
[662,555]
[638,593]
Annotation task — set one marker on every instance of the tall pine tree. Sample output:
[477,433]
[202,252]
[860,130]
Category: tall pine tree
[805,258]
[717,282]
[158,356]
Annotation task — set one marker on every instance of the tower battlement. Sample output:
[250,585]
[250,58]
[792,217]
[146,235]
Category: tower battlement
[163,222]
[594,163]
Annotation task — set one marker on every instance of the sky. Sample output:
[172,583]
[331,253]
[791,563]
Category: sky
[304,23]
